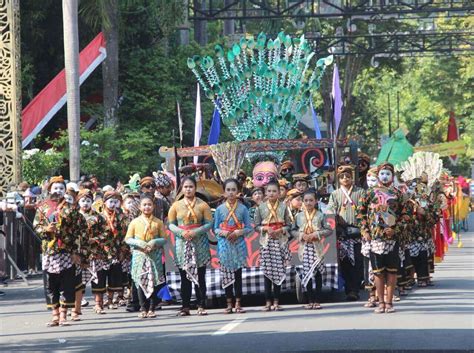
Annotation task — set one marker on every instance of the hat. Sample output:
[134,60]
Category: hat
[56,179]
[283,182]
[254,190]
[147,180]
[85,193]
[72,186]
[300,177]
[364,157]
[345,169]
[373,171]
[386,165]
[287,165]
[112,195]
[161,180]
[108,188]
[293,193]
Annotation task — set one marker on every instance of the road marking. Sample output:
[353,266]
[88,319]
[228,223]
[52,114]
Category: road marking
[229,327]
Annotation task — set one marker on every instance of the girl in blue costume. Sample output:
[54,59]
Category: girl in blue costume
[145,236]
[231,225]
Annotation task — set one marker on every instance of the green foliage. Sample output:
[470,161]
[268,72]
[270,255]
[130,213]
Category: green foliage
[113,155]
[38,165]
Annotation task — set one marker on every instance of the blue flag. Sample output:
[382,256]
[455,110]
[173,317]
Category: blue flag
[317,130]
[215,131]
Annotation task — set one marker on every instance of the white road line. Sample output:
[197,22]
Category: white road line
[229,327]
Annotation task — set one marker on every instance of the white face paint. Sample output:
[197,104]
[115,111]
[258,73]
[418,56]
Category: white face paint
[372,180]
[112,204]
[385,176]
[128,203]
[58,190]
[85,204]
[69,198]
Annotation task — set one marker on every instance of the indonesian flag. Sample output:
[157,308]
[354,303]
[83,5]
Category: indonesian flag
[42,108]
[453,135]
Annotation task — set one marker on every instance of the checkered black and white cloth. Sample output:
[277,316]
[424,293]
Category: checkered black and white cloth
[252,281]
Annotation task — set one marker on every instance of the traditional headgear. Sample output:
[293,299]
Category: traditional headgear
[300,177]
[364,157]
[162,180]
[56,179]
[287,165]
[72,186]
[293,193]
[85,193]
[386,165]
[373,171]
[147,180]
[345,169]
[254,190]
[112,195]
[132,195]
[283,182]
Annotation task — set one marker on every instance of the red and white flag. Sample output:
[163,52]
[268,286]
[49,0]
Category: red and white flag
[47,103]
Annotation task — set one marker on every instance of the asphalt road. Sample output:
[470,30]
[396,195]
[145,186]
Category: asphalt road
[435,319]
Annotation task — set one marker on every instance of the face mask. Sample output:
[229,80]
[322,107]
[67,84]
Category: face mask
[85,203]
[112,204]
[58,190]
[372,181]
[385,176]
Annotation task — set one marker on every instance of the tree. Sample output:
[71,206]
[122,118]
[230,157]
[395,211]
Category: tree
[71,63]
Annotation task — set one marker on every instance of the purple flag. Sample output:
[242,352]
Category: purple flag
[337,100]
[317,130]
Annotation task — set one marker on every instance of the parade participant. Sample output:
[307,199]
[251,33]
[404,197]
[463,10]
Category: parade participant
[146,236]
[343,203]
[231,225]
[363,165]
[94,256]
[283,189]
[272,221]
[164,187]
[190,220]
[310,228]
[380,215]
[70,197]
[160,209]
[287,169]
[242,178]
[300,182]
[115,247]
[130,210]
[60,227]
[372,181]
[294,202]
[425,220]
[257,198]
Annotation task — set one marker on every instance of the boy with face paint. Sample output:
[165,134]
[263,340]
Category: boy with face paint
[380,216]
[343,203]
[62,230]
[421,242]
[94,256]
[115,229]
[371,181]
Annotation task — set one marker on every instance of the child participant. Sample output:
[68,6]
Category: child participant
[190,220]
[272,221]
[231,225]
[310,228]
[146,237]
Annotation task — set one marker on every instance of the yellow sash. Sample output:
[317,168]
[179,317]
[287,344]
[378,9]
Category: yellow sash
[191,213]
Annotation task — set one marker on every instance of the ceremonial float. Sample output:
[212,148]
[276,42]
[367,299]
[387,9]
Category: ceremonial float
[262,88]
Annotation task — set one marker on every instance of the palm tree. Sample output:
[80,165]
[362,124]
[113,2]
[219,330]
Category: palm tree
[71,63]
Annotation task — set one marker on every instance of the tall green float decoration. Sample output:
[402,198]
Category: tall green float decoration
[261,87]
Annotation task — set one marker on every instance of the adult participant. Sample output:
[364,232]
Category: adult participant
[343,203]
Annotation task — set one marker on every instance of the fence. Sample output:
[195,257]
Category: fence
[20,247]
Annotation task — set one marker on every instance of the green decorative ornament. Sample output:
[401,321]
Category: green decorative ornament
[265,85]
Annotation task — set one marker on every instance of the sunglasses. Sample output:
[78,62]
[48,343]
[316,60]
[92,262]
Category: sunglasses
[148,186]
